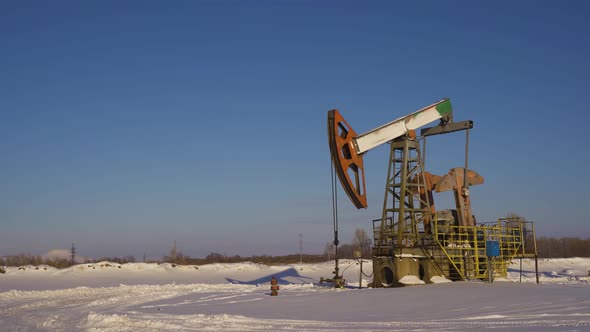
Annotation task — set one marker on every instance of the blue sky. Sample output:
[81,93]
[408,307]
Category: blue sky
[127,125]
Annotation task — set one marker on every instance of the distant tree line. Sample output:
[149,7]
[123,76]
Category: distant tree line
[361,244]
[263,259]
[28,259]
[60,263]
[564,247]
[120,260]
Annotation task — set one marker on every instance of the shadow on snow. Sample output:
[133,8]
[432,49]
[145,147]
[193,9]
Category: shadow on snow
[291,273]
[548,274]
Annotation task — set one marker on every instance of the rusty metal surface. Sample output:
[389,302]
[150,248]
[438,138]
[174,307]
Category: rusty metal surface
[345,159]
[454,180]
[425,193]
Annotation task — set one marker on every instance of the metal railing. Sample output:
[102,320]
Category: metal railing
[459,252]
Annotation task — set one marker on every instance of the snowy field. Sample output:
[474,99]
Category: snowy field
[235,297]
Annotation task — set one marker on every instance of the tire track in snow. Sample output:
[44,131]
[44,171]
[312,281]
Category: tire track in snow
[161,322]
[114,309]
[68,309]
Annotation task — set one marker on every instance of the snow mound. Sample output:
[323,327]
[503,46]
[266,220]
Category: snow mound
[439,280]
[411,280]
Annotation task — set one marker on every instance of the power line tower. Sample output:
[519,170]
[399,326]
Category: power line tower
[300,248]
[173,252]
[72,254]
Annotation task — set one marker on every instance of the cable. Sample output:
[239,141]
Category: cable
[368,276]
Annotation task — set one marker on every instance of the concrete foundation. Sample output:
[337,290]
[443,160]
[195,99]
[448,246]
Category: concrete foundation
[389,270]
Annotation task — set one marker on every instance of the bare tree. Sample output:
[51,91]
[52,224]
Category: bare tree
[173,252]
[362,242]
[515,217]
[329,251]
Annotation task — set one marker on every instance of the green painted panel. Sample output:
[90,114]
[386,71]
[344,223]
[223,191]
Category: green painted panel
[444,107]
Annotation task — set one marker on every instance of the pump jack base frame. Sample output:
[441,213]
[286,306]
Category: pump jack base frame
[336,282]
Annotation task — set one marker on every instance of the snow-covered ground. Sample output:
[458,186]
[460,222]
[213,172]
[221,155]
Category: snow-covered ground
[235,297]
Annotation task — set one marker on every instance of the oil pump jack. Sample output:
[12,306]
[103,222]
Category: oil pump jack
[414,242]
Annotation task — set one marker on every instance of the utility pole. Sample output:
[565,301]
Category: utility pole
[300,248]
[173,253]
[73,254]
